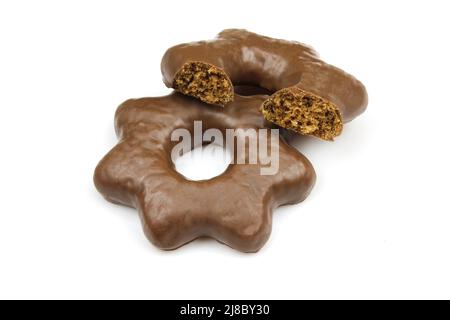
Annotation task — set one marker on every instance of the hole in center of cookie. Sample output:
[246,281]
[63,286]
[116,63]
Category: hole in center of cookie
[203,163]
[248,90]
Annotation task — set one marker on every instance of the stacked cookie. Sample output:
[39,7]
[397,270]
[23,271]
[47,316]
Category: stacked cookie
[307,96]
[310,96]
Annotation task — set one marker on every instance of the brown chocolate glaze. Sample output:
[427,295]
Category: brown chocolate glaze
[235,207]
[273,64]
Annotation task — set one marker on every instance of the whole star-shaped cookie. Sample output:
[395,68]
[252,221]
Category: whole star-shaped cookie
[235,207]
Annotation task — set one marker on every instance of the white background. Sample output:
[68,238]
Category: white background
[376,225]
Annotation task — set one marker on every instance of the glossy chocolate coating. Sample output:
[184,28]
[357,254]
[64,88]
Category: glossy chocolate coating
[251,59]
[235,207]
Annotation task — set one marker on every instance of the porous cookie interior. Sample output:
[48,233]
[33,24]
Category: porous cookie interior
[205,82]
[304,113]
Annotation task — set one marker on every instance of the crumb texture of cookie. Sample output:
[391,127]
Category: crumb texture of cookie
[205,82]
[303,112]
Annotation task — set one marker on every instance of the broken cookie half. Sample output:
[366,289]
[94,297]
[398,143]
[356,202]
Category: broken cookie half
[204,81]
[303,112]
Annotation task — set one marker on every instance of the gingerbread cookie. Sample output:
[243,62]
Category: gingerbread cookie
[235,207]
[309,97]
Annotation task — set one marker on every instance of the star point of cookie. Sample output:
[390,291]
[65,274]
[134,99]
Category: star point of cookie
[234,208]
